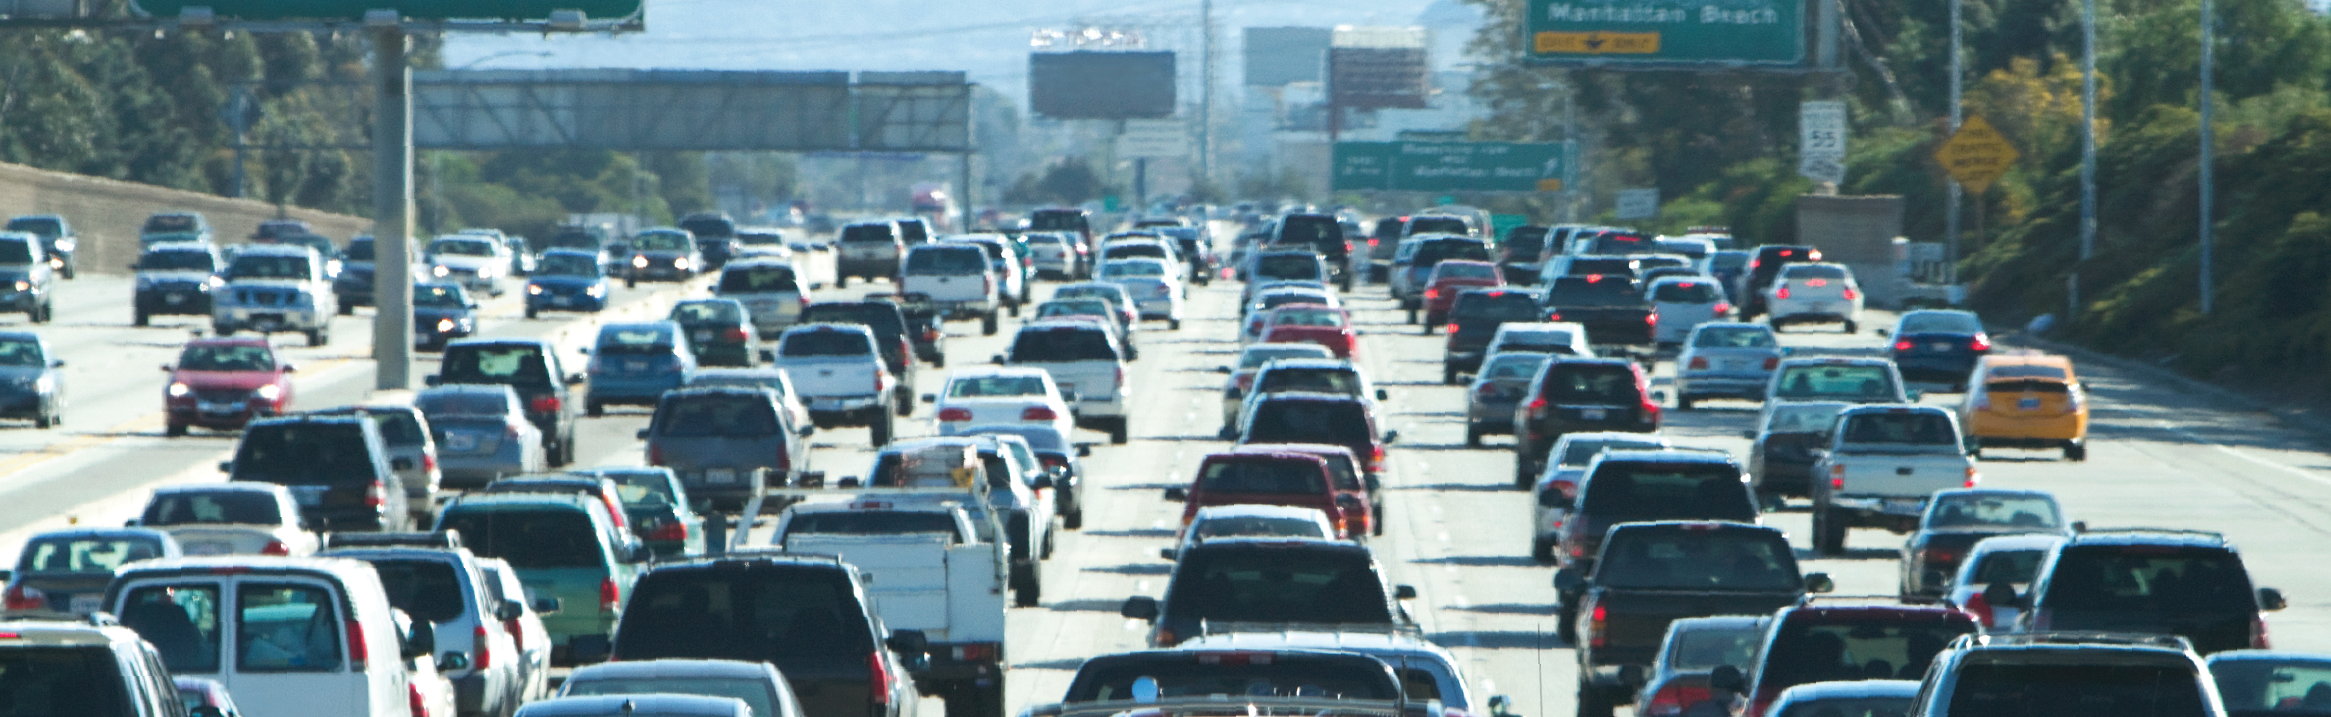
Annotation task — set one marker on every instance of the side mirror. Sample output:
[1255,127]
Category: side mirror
[167,368]
[642,434]
[434,380]
[1750,435]
[997,359]
[1139,607]
[226,466]
[2080,526]
[1881,331]
[805,431]
[291,368]
[509,611]
[1222,369]
[1084,450]
[911,643]
[57,363]
[1567,580]
[584,350]
[131,523]
[575,379]
[1041,482]
[1391,436]
[2270,600]
[1404,592]
[401,464]
[1501,706]
[1819,583]
[546,606]
[452,660]
[930,398]
[2084,385]
[1658,396]
[1915,394]
[1177,494]
[1383,395]
[1728,679]
[1168,553]
[2002,594]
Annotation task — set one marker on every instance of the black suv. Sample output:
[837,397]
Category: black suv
[1474,319]
[1320,233]
[1572,395]
[716,236]
[1222,582]
[1624,486]
[2179,582]
[530,366]
[92,667]
[336,466]
[890,337]
[805,615]
[175,278]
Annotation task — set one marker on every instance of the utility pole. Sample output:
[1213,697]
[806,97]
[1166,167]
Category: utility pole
[239,118]
[392,210]
[1206,91]
[2087,152]
[2209,136]
[1951,207]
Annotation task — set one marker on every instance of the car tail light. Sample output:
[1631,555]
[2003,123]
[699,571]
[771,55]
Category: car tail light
[413,701]
[1538,407]
[930,334]
[377,495]
[543,404]
[484,653]
[1167,638]
[1981,609]
[1782,292]
[1556,316]
[1376,459]
[1672,699]
[880,680]
[275,547]
[517,633]
[2072,400]
[609,597]
[357,651]
[2258,637]
[1039,413]
[1162,290]
[1594,626]
[1489,390]
[1699,363]
[1837,476]
[1938,556]
[954,414]
[1972,477]
[734,334]
[1772,362]
[1723,308]
[428,462]
[621,520]
[1431,294]
[1120,375]
[24,598]
[987,284]
[1903,345]
[655,454]
[1452,329]
[1753,263]
[1850,294]
[669,531]
[1651,319]
[1981,342]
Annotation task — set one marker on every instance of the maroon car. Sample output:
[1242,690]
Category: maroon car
[1260,476]
[224,383]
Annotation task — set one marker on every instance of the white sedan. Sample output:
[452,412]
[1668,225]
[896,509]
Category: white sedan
[1000,396]
[229,519]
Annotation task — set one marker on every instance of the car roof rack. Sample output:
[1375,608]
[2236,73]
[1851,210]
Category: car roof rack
[447,539]
[2074,638]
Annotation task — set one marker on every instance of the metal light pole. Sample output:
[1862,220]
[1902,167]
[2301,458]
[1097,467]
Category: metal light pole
[1206,91]
[392,210]
[2087,151]
[1951,207]
[2208,140]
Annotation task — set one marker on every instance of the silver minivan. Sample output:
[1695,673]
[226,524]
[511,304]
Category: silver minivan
[769,288]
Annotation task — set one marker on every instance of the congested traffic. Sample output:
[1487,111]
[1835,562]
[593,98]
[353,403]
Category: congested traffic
[1249,460]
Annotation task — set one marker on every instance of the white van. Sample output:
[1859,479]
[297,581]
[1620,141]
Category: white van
[289,637]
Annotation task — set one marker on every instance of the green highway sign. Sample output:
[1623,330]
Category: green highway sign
[1765,32]
[1450,167]
[283,10]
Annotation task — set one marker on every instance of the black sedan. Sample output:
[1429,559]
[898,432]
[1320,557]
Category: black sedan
[1938,346]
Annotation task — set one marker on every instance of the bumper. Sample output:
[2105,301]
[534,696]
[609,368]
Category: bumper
[1159,308]
[20,301]
[1880,509]
[1940,369]
[565,302]
[729,494]
[473,472]
[17,403]
[1791,311]
[1463,361]
[1786,478]
[868,268]
[1696,385]
[353,295]
[827,411]
[1495,417]
[219,416]
[360,519]
[179,302]
[631,391]
[1098,409]
[238,319]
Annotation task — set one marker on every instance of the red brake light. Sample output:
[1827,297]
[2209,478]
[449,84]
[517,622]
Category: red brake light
[1981,342]
[1556,316]
[543,404]
[275,547]
[1038,413]
[428,462]
[1538,407]
[1723,308]
[413,701]
[1431,294]
[670,531]
[1651,318]
[1595,628]
[1452,328]
[735,334]
[357,652]
[517,633]
[1850,294]
[1903,345]
[655,454]
[609,598]
[484,654]
[880,684]
[1816,282]
[24,598]
[1788,252]
[1594,278]
[954,414]
[1782,292]
[1772,362]
[1699,363]
[377,495]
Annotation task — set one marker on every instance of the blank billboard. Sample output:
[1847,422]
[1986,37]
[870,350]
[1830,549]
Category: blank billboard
[1101,85]
[1379,77]
[1278,56]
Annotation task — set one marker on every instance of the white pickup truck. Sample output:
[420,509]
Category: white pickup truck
[840,375]
[957,281]
[1881,466]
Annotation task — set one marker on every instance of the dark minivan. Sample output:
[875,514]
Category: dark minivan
[530,366]
[337,468]
[1320,233]
[805,615]
[725,442]
[2186,583]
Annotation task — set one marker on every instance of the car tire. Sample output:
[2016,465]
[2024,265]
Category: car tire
[45,420]
[1828,531]
[141,318]
[631,282]
[1174,324]
[1412,316]
[1594,701]
[1448,375]
[1566,620]
[1119,431]
[345,309]
[987,324]
[842,281]
[531,312]
[1075,520]
[319,337]
[594,408]
[904,408]
[1028,585]
[2076,451]
[1542,550]
[1523,476]
[879,433]
[1683,403]
[1851,327]
[1472,436]
[1013,307]
[174,430]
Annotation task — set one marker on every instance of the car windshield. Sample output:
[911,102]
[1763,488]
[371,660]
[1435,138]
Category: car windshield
[1120,269]
[1062,344]
[320,453]
[1263,475]
[1971,510]
[461,247]
[2282,686]
[1922,428]
[567,265]
[1802,418]
[177,261]
[2156,579]
[1691,558]
[1844,383]
[1340,423]
[1888,648]
[1278,586]
[1594,291]
[1342,381]
[226,357]
[719,415]
[2008,566]
[1582,452]
[662,241]
[1733,337]
[825,343]
[1256,356]
[1496,306]
[1939,322]
[439,296]
[693,313]
[1465,270]
[262,266]
[870,522]
[796,617]
[1088,307]
[1707,647]
[85,554]
[995,386]
[1596,384]
[755,694]
[1303,267]
[1686,292]
[1668,491]
[23,352]
[758,279]
[425,589]
[1260,525]
[528,537]
[2104,688]
[1133,249]
[191,508]
[1522,366]
[463,403]
[939,259]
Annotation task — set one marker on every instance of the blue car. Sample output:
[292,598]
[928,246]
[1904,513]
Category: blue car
[32,379]
[566,280]
[1939,346]
[636,362]
[442,312]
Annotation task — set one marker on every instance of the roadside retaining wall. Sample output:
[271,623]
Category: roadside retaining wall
[1859,232]
[107,213]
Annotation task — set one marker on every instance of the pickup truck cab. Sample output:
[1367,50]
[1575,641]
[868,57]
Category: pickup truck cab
[841,375]
[869,250]
[956,279]
[1085,362]
[1882,465]
[275,288]
[1651,574]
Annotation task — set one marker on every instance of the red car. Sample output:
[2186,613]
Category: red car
[224,383]
[1313,323]
[1262,476]
[1451,278]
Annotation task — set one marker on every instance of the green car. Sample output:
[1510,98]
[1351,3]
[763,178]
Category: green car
[563,547]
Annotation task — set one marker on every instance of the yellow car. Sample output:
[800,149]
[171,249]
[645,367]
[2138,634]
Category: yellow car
[2026,399]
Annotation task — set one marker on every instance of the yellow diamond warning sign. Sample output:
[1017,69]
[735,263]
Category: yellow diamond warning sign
[1976,155]
[1598,43]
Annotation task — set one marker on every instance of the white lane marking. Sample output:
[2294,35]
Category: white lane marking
[1141,586]
[1459,602]
[1443,536]
[1133,625]
[1158,524]
[2221,448]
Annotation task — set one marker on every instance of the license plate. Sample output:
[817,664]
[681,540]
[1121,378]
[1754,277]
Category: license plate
[2027,404]
[1592,414]
[720,475]
[85,604]
[461,442]
[174,298]
[1904,505]
[207,547]
[309,495]
[218,408]
[635,365]
[562,301]
[1818,308]
[1941,346]
[1734,365]
[702,336]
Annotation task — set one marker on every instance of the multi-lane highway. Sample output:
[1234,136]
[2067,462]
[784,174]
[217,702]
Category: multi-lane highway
[1459,532]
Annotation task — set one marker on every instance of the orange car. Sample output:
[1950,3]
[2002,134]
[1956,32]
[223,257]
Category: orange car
[2026,399]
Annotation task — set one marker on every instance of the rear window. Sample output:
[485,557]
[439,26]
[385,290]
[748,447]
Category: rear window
[757,279]
[528,538]
[756,694]
[690,313]
[870,522]
[1887,648]
[1320,318]
[717,416]
[2102,689]
[796,617]
[1706,648]
[176,261]
[1330,422]
[463,403]
[2056,373]
[1276,300]
[884,319]
[1689,557]
[304,454]
[1923,428]
[1687,292]
[1518,366]
[868,233]
[171,223]
[1438,225]
[1668,491]
[1287,266]
[1787,418]
[1259,525]
[1599,384]
[1525,243]
[995,386]
[825,343]
[1133,249]
[1743,337]
[1311,229]
[1620,243]
[1435,252]
[425,589]
[62,681]
[1314,380]
[1055,221]
[228,507]
[1238,674]
[1277,586]
[2282,685]
[1579,453]
[521,366]
[1812,271]
[1496,306]
[1062,344]
[636,340]
[2009,566]
[1843,383]
[46,227]
[1939,322]
[1593,291]
[2165,580]
[1133,268]
[286,628]
[1465,270]
[85,555]
[951,260]
[1255,357]
[1263,475]
[1980,510]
